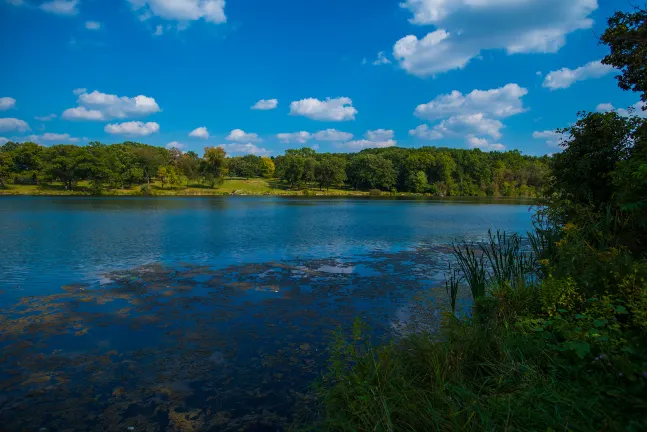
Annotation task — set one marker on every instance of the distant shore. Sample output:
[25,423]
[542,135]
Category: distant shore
[231,187]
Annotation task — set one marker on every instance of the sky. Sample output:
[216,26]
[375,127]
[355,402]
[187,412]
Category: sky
[262,76]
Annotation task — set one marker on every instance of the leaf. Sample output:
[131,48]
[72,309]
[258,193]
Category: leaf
[580,348]
[562,310]
[621,310]
[599,322]
[580,316]
[628,350]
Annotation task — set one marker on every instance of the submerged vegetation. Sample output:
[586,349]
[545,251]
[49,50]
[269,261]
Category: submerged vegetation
[556,338]
[134,168]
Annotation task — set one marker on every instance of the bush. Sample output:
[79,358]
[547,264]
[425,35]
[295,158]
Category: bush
[375,192]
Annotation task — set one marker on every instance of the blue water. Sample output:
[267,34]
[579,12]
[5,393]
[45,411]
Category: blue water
[208,313]
[48,242]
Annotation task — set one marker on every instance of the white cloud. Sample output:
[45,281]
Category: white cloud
[604,107]
[381,59]
[265,104]
[565,77]
[16,2]
[159,31]
[102,106]
[424,132]
[92,25]
[467,123]
[332,135]
[79,91]
[637,109]
[294,137]
[3,140]
[183,10]
[466,28]
[10,124]
[364,144]
[240,135]
[49,137]
[7,103]
[82,113]
[247,148]
[539,73]
[61,7]
[175,144]
[501,102]
[48,117]
[133,128]
[200,132]
[483,144]
[552,138]
[332,109]
[470,116]
[379,135]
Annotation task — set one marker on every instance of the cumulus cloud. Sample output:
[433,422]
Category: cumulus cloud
[381,59]
[425,132]
[379,135]
[92,25]
[102,106]
[3,140]
[7,103]
[51,137]
[200,132]
[471,116]
[11,124]
[182,10]
[332,135]
[48,117]
[265,104]
[552,138]
[240,135]
[133,128]
[636,109]
[294,137]
[483,144]
[332,109]
[247,148]
[466,28]
[500,102]
[175,144]
[79,91]
[61,7]
[565,77]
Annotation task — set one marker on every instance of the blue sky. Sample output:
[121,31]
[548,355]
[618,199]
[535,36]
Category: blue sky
[336,75]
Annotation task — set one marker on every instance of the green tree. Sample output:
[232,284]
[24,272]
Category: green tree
[214,166]
[371,171]
[6,165]
[68,164]
[268,168]
[626,37]
[330,171]
[417,182]
[291,169]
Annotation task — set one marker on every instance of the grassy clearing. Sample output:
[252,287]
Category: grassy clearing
[253,186]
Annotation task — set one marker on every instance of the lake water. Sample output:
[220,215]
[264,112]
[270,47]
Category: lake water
[207,313]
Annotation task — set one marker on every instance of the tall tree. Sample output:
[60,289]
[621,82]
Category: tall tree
[214,166]
[330,171]
[626,37]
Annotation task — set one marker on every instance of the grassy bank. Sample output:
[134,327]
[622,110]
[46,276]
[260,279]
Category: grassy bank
[540,352]
[253,186]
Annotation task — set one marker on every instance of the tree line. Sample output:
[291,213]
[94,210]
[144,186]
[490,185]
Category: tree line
[438,171]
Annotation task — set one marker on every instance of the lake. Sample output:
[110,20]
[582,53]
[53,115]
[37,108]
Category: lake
[208,313]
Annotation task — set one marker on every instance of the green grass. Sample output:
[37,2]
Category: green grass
[252,186]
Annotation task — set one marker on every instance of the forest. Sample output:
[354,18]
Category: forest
[426,170]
